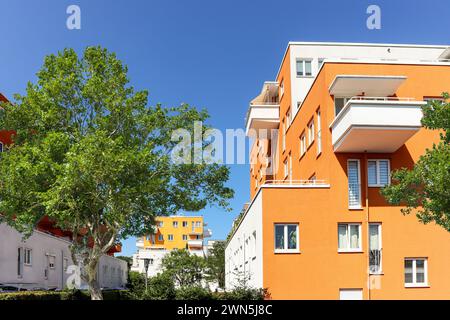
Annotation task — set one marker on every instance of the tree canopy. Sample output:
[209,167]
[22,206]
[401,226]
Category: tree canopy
[93,156]
[426,187]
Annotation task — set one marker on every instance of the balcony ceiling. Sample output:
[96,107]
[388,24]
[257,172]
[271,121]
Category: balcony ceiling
[376,86]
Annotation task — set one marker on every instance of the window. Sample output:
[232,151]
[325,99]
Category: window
[350,294]
[170,237]
[150,262]
[185,237]
[197,237]
[320,63]
[378,172]
[310,132]
[304,68]
[65,264]
[290,166]
[286,238]
[288,118]
[27,259]
[339,104]
[51,262]
[160,237]
[286,168]
[302,145]
[416,272]
[198,224]
[281,93]
[19,262]
[354,186]
[349,237]
[185,224]
[175,224]
[375,249]
[160,224]
[284,135]
[319,133]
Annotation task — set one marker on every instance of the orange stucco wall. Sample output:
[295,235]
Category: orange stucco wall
[319,271]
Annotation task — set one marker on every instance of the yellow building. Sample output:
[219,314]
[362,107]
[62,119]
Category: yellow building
[176,232]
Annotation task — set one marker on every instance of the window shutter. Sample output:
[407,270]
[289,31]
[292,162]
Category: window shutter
[353,184]
[372,172]
[384,172]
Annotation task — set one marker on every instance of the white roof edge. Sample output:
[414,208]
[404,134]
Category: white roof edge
[357,44]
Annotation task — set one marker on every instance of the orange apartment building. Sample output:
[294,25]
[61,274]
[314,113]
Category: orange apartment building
[338,118]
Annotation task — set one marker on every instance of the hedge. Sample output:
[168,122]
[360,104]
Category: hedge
[62,295]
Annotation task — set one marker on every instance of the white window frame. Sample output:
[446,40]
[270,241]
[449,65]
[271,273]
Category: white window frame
[319,132]
[283,138]
[377,165]
[198,224]
[281,88]
[358,206]
[380,244]
[65,264]
[185,237]
[50,264]
[28,257]
[348,249]
[303,63]
[346,100]
[311,132]
[303,146]
[286,168]
[416,284]
[290,166]
[320,63]
[170,237]
[285,250]
[175,224]
[289,117]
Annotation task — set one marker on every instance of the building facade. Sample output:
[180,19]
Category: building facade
[327,133]
[172,232]
[43,261]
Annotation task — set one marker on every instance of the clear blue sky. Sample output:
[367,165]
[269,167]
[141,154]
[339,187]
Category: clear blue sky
[208,53]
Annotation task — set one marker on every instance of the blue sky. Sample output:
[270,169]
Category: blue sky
[208,53]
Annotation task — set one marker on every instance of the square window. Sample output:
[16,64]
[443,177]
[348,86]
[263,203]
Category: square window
[286,238]
[416,270]
[349,237]
[378,172]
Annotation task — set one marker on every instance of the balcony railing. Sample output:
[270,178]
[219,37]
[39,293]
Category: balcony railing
[376,124]
[297,182]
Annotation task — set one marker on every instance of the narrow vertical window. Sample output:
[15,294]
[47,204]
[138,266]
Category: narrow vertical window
[354,184]
[319,133]
[375,250]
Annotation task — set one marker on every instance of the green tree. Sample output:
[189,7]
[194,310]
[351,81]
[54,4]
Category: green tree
[90,154]
[186,269]
[426,187]
[215,262]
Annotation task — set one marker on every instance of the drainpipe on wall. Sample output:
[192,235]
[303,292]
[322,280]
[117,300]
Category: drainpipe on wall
[366,186]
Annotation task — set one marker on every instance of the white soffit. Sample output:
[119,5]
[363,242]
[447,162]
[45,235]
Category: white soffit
[445,54]
[375,86]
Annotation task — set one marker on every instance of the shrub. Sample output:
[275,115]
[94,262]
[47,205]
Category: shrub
[193,293]
[31,295]
[62,295]
[243,293]
[160,287]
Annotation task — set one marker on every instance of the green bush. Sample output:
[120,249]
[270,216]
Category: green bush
[243,293]
[160,287]
[193,293]
[62,295]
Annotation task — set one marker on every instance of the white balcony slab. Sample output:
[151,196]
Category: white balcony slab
[376,126]
[368,85]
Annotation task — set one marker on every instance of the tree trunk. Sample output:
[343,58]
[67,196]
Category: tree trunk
[94,287]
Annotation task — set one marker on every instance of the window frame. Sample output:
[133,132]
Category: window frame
[170,237]
[160,237]
[378,184]
[416,284]
[359,206]
[286,168]
[303,63]
[28,262]
[349,249]
[346,100]
[303,144]
[175,224]
[311,132]
[319,132]
[380,244]
[185,237]
[286,244]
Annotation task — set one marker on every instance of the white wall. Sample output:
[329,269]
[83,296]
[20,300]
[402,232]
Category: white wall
[39,274]
[243,254]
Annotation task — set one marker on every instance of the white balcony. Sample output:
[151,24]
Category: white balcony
[264,110]
[140,243]
[207,233]
[377,125]
[263,116]
[195,243]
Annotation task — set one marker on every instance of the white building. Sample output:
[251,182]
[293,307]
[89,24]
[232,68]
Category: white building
[42,261]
